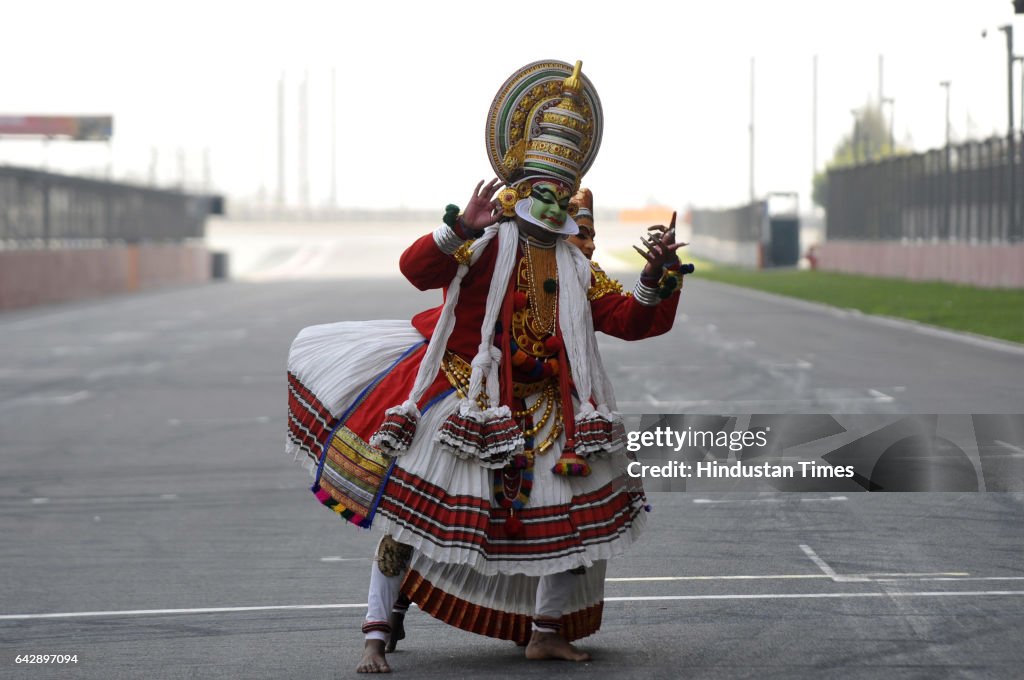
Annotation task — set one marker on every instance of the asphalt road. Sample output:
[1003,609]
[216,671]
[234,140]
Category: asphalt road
[145,502]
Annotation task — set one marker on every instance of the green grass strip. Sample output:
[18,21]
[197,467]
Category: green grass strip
[998,313]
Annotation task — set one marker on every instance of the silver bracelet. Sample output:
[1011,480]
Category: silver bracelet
[646,295]
[447,240]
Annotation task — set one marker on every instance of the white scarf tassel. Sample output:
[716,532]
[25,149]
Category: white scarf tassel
[399,426]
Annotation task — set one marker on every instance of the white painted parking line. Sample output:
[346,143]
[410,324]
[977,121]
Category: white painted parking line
[860,578]
[1014,450]
[772,499]
[649,598]
[823,596]
[165,612]
[345,559]
[826,569]
[103,500]
[974,578]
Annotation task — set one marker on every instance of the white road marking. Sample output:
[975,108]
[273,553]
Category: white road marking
[48,400]
[245,419]
[1016,450]
[773,499]
[103,499]
[650,598]
[161,612]
[345,559]
[827,570]
[881,397]
[798,596]
[925,576]
[975,578]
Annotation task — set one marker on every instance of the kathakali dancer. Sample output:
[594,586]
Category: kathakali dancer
[482,435]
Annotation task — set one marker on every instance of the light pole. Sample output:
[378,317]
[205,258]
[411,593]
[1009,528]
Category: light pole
[945,84]
[1010,136]
[855,143]
[892,123]
[948,184]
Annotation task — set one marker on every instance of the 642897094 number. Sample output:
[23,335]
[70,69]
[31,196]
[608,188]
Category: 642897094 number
[46,658]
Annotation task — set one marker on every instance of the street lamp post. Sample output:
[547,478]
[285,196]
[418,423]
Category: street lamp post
[1010,136]
[945,85]
[892,123]
[856,136]
[948,184]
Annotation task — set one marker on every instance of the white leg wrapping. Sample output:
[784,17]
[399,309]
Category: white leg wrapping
[552,595]
[384,591]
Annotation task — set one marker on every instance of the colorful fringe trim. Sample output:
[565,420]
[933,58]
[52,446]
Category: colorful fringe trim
[396,433]
[351,477]
[598,434]
[491,437]
[325,498]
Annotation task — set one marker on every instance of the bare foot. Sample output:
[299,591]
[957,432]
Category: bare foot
[373,660]
[397,623]
[553,646]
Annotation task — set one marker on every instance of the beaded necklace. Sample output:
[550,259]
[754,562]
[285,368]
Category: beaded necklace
[542,269]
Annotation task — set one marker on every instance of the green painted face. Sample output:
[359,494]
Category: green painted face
[550,203]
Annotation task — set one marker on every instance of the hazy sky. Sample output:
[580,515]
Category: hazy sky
[415,79]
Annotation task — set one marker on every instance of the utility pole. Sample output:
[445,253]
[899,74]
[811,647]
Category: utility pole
[855,144]
[814,119]
[304,142]
[153,160]
[207,174]
[752,129]
[1010,135]
[892,123]
[945,85]
[881,92]
[334,140]
[280,142]
[948,174]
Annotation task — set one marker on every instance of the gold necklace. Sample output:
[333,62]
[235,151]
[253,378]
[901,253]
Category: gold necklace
[541,267]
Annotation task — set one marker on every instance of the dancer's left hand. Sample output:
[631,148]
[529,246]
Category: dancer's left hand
[660,248]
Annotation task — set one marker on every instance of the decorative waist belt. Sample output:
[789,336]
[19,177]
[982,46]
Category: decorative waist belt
[458,370]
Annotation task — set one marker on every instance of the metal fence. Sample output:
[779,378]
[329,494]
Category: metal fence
[742,225]
[40,209]
[962,193]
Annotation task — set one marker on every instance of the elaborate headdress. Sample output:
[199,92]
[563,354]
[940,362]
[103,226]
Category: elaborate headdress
[582,208]
[545,123]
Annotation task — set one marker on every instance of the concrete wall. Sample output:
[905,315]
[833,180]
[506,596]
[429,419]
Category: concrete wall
[985,266]
[35,277]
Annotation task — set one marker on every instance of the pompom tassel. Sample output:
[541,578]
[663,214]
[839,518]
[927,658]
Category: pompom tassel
[396,433]
[513,525]
[569,464]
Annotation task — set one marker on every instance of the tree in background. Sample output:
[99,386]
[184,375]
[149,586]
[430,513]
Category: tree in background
[868,141]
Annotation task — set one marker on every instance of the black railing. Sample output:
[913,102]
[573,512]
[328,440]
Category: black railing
[742,225]
[962,193]
[41,209]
